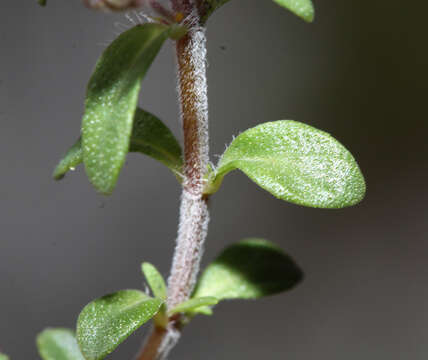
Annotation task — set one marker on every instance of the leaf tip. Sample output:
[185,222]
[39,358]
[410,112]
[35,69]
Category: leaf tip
[154,280]
[57,175]
[302,8]
[309,14]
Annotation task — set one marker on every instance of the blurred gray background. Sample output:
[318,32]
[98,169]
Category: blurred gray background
[359,72]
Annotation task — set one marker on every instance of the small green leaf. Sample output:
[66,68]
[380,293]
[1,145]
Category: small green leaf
[294,162]
[58,344]
[302,8]
[42,2]
[250,269]
[149,136]
[193,304]
[106,322]
[70,161]
[155,280]
[4,357]
[111,101]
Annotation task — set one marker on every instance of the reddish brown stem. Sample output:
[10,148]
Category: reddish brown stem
[191,62]
[153,343]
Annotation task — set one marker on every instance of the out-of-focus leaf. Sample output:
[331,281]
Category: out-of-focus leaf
[151,137]
[58,344]
[155,280]
[249,269]
[72,158]
[302,8]
[193,304]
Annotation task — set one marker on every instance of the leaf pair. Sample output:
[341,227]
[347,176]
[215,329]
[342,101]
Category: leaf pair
[111,124]
[302,8]
[293,161]
[106,322]
[250,269]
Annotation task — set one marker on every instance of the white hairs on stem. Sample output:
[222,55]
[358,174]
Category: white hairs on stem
[194,216]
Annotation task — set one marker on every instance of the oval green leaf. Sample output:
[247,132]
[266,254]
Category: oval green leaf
[250,269]
[193,304]
[106,322]
[111,102]
[4,357]
[302,8]
[58,344]
[149,136]
[155,280]
[294,162]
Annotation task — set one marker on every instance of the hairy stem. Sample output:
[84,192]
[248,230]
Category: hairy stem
[191,56]
[194,217]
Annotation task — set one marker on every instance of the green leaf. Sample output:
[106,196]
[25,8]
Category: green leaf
[193,304]
[149,136]
[58,344]
[70,161]
[41,3]
[302,8]
[106,322]
[155,280]
[250,269]
[294,162]
[204,310]
[4,357]
[111,102]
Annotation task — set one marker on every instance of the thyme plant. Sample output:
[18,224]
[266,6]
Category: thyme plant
[292,161]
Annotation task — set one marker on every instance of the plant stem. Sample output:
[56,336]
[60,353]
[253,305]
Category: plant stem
[191,57]
[194,217]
